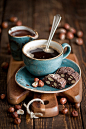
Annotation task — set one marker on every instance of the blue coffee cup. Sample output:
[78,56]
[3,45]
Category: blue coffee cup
[17,42]
[41,67]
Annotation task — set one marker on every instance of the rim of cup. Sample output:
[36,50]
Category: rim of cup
[23,28]
[27,55]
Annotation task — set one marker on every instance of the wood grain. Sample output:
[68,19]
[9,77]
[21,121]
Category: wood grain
[37,14]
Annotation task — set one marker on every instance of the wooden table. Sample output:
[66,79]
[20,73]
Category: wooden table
[38,14]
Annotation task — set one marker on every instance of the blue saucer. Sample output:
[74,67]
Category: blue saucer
[25,79]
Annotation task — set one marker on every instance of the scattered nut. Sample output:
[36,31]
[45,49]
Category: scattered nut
[11,109]
[79,41]
[72,30]
[35,84]
[20,112]
[4,24]
[17,107]
[70,35]
[40,83]
[18,23]
[63,100]
[13,19]
[14,114]
[36,79]
[5,65]
[61,30]
[2,96]
[79,33]
[64,111]
[62,36]
[66,26]
[74,113]
[77,105]
[17,121]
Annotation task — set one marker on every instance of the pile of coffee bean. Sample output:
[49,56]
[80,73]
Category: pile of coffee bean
[67,32]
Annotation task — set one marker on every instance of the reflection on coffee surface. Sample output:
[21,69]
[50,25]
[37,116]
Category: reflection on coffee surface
[22,33]
[39,53]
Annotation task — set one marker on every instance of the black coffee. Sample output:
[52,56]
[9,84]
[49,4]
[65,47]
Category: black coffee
[22,33]
[39,53]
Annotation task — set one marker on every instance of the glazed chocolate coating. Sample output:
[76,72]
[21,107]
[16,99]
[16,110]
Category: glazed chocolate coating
[69,74]
[55,80]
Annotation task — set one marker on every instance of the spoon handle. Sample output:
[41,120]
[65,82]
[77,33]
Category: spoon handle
[55,24]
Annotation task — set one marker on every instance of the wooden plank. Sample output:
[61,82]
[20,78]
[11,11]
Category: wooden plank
[76,19]
[23,10]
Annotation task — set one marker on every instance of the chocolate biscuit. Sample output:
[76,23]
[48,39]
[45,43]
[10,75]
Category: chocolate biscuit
[55,80]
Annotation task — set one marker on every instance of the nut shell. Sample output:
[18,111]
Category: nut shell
[74,113]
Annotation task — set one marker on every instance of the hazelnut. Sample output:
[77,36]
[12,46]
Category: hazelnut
[70,35]
[63,100]
[2,96]
[79,34]
[64,111]
[66,26]
[13,19]
[40,83]
[74,113]
[61,30]
[11,109]
[35,84]
[18,23]
[79,41]
[17,107]
[36,79]
[72,30]
[77,105]
[17,121]
[5,65]
[62,36]
[4,24]
[14,114]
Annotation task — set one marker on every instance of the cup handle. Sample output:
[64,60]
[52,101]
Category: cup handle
[68,50]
